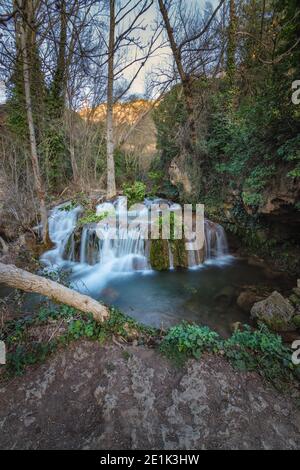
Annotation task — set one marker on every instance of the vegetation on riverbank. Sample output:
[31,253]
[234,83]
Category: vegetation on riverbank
[31,340]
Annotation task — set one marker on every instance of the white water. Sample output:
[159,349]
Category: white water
[100,259]
[62,224]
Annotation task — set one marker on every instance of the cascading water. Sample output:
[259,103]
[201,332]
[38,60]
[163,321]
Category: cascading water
[103,253]
[114,269]
[62,223]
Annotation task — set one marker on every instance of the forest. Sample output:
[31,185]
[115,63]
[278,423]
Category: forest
[149,225]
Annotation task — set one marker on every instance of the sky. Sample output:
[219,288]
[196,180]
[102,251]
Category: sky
[160,57]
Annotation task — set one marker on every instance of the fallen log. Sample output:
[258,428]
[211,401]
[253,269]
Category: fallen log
[25,281]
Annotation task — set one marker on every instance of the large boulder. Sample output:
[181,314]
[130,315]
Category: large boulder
[276,311]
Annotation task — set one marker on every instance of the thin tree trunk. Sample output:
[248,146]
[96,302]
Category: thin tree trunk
[184,77]
[33,146]
[231,48]
[25,281]
[111,180]
[73,160]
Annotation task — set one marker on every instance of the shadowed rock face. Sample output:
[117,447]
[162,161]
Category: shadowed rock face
[178,176]
[90,397]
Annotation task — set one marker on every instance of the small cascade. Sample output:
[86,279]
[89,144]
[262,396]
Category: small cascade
[171,257]
[216,245]
[100,247]
[62,223]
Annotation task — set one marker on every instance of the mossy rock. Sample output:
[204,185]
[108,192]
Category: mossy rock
[294,299]
[296,321]
[275,311]
[179,253]
[159,255]
[296,292]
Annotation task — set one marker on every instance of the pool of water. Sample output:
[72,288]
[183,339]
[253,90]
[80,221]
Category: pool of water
[206,295]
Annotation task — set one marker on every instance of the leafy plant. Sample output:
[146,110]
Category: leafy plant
[262,351]
[189,340]
[90,217]
[135,193]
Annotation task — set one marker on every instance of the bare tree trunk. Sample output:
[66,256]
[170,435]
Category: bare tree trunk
[33,147]
[73,160]
[20,279]
[184,77]
[111,180]
[231,48]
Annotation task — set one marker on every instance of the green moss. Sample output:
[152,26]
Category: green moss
[90,217]
[159,255]
[296,321]
[179,253]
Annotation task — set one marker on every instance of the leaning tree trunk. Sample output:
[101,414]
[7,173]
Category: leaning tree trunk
[111,180]
[23,280]
[33,146]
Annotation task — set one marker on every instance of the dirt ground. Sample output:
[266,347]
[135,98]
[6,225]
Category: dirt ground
[93,397]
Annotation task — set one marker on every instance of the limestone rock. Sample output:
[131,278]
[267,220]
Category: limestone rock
[179,176]
[247,299]
[275,311]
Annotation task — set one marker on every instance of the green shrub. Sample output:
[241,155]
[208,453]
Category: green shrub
[189,340]
[262,351]
[135,193]
[90,217]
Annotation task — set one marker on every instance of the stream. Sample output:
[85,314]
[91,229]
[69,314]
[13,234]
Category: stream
[118,272]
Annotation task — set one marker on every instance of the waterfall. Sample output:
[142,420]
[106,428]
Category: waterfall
[99,247]
[171,257]
[62,222]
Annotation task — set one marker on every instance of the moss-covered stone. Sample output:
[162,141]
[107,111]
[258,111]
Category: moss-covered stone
[276,311]
[296,321]
[294,300]
[159,255]
[180,256]
[296,291]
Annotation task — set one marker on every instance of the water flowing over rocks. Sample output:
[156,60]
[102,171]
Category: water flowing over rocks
[82,244]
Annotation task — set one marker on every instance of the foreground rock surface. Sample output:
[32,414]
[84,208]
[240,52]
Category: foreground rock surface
[91,397]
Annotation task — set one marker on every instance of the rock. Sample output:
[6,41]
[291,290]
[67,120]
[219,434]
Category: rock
[226,296]
[298,283]
[132,333]
[178,174]
[296,291]
[159,255]
[180,254]
[275,311]
[296,321]
[256,261]
[294,299]
[247,299]
[288,337]
[237,326]
[272,274]
[110,293]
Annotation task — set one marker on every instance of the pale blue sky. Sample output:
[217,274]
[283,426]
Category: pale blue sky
[160,57]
